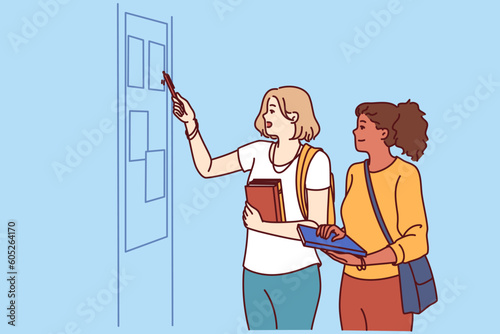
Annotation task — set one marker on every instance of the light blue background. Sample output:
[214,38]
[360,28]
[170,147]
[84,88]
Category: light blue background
[63,81]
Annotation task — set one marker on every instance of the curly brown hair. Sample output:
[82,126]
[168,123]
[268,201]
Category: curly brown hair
[406,126]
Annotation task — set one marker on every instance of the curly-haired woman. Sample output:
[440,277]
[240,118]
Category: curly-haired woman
[370,296]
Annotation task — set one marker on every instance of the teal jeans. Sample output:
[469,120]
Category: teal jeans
[287,301]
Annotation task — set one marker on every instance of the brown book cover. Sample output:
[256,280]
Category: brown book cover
[266,196]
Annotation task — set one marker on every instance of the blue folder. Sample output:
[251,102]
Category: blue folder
[345,245]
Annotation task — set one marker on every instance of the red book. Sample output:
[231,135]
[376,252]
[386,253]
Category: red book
[266,196]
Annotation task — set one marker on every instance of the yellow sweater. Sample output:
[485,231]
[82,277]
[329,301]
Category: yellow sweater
[399,195]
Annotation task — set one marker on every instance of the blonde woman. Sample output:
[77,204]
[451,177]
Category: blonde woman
[281,279]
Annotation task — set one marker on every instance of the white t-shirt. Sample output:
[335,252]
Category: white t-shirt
[268,254]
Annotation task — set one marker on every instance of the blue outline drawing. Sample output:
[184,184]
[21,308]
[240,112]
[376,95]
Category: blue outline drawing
[168,151]
[145,244]
[149,65]
[166,135]
[146,172]
[171,157]
[130,127]
[118,164]
[128,59]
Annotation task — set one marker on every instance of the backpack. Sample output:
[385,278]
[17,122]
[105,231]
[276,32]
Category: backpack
[305,158]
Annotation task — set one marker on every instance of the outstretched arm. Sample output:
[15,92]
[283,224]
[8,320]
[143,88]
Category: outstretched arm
[203,161]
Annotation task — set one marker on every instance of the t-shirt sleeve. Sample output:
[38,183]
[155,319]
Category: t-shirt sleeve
[318,174]
[248,152]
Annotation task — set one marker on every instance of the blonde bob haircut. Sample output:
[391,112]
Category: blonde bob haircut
[291,99]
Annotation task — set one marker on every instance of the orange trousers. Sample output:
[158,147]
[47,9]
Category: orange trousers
[372,305]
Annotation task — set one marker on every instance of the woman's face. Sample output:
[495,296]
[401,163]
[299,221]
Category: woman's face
[367,136]
[276,124]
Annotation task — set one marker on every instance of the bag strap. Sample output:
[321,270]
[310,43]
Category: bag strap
[305,158]
[301,176]
[375,206]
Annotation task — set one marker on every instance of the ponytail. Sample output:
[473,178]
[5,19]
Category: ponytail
[411,128]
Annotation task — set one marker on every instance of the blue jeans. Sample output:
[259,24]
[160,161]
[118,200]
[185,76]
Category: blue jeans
[287,301]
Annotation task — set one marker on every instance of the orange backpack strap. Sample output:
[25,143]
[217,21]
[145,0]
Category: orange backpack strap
[331,201]
[305,158]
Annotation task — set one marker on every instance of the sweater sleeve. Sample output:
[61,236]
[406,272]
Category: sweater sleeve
[412,220]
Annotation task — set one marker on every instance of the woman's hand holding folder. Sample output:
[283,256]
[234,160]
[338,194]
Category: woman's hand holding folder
[325,231]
